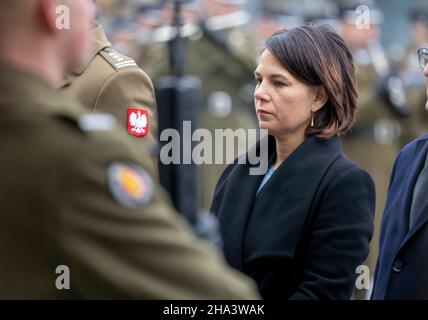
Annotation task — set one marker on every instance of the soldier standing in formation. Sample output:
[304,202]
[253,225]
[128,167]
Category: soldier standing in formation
[223,56]
[113,83]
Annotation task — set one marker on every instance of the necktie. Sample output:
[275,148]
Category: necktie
[420,195]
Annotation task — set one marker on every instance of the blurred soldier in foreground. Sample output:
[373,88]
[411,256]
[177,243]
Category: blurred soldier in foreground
[374,141]
[74,192]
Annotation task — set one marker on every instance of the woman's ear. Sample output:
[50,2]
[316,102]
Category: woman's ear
[321,98]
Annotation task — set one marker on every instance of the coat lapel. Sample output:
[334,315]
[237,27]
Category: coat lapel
[237,199]
[282,207]
[415,169]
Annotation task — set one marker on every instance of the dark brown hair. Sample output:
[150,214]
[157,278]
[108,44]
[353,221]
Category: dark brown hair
[318,56]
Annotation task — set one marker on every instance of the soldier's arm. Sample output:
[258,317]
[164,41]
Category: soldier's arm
[121,239]
[129,88]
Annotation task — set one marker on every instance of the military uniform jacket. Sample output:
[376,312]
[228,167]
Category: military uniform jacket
[75,194]
[307,230]
[113,83]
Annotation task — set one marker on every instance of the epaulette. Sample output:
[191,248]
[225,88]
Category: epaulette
[117,60]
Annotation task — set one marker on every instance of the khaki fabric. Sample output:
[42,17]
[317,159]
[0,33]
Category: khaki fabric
[114,83]
[57,208]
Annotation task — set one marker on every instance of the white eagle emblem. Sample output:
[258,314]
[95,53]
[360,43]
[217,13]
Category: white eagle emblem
[137,122]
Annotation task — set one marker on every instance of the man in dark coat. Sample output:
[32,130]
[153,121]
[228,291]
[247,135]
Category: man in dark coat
[401,271]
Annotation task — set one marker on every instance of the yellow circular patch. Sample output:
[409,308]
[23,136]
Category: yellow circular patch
[130,184]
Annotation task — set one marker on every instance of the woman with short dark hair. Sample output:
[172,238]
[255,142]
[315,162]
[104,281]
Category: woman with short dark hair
[303,228]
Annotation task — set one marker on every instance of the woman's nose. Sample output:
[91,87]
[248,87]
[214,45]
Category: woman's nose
[260,93]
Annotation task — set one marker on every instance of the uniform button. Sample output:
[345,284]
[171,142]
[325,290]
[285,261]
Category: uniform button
[398,266]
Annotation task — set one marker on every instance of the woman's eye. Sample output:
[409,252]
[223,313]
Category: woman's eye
[278,84]
[258,81]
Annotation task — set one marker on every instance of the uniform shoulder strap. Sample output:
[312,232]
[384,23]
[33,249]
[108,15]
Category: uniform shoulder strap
[116,60]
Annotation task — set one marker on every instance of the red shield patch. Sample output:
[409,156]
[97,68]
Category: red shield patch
[138,122]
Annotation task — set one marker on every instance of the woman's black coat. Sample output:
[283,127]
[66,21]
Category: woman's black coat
[306,232]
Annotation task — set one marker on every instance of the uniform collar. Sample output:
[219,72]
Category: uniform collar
[100,42]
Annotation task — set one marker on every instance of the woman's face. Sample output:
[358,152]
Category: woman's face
[283,103]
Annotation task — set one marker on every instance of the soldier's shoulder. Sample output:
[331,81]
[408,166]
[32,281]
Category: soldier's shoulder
[117,61]
[62,118]
[68,128]
[87,138]
[122,66]
[92,146]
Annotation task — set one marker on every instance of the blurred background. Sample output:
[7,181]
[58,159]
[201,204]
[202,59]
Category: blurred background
[127,18]
[223,39]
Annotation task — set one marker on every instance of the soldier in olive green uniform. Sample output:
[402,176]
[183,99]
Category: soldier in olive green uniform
[113,83]
[374,142]
[227,78]
[74,192]
[223,56]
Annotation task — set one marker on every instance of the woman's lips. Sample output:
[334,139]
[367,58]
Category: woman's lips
[262,112]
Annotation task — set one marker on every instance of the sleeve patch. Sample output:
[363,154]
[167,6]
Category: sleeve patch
[130,185]
[138,122]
